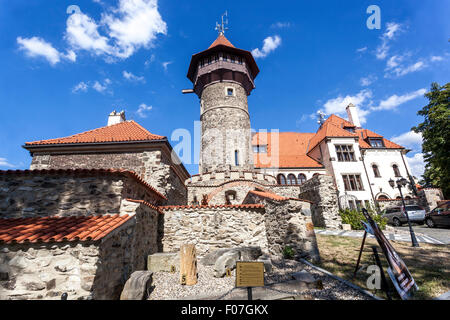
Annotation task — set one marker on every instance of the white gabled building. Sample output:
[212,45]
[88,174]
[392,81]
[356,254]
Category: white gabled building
[361,161]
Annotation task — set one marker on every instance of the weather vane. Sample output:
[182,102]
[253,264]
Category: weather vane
[221,27]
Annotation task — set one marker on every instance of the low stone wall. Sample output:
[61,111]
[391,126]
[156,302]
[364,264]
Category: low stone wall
[322,192]
[83,270]
[211,228]
[44,194]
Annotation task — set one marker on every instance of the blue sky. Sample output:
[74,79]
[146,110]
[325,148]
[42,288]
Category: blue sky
[63,73]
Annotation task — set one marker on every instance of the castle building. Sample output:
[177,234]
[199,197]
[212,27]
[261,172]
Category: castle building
[94,205]
[360,161]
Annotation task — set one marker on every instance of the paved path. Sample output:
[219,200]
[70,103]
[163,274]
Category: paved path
[390,236]
[441,234]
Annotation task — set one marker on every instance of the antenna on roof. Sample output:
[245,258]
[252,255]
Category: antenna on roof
[221,27]
[321,116]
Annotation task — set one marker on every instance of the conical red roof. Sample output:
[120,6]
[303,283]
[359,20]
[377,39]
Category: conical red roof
[221,40]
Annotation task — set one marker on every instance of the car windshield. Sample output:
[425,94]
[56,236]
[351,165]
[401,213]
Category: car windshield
[413,208]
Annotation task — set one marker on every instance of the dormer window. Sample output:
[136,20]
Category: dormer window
[350,129]
[376,143]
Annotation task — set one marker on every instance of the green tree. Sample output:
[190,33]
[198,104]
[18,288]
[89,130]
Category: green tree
[435,131]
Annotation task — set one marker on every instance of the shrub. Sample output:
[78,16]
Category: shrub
[354,218]
[288,252]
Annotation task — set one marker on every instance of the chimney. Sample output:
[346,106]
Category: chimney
[116,117]
[352,114]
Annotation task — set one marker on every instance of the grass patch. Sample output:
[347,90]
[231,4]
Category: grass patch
[429,264]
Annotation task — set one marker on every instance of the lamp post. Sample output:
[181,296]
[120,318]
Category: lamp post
[401,183]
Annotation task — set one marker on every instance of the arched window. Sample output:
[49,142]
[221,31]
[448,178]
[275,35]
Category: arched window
[376,172]
[301,178]
[398,198]
[291,179]
[382,197]
[281,179]
[315,174]
[407,198]
[396,170]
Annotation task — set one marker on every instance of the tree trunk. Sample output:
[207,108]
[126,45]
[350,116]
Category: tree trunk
[188,264]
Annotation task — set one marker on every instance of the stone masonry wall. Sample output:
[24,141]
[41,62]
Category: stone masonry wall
[152,165]
[225,128]
[322,192]
[89,270]
[213,228]
[64,195]
[288,223]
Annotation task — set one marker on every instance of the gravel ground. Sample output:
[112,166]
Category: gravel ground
[166,285]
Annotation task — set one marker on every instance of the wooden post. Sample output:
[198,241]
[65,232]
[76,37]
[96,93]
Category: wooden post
[188,264]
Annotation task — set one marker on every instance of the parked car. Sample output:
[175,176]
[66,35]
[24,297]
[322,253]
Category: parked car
[439,216]
[397,217]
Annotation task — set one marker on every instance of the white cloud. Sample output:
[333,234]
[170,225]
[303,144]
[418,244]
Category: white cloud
[338,105]
[81,87]
[281,25]
[436,58]
[82,34]
[394,101]
[4,163]
[367,81]
[270,44]
[417,164]
[391,29]
[37,47]
[361,50]
[131,77]
[409,139]
[143,108]
[99,87]
[130,26]
[134,24]
[166,64]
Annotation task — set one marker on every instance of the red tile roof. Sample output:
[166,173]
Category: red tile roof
[268,195]
[221,40]
[84,172]
[146,203]
[58,229]
[291,150]
[329,129]
[218,206]
[120,132]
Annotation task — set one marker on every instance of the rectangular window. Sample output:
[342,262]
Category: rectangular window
[352,182]
[236,157]
[376,143]
[358,205]
[345,153]
[367,204]
[230,91]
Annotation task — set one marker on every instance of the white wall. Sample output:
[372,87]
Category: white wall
[385,159]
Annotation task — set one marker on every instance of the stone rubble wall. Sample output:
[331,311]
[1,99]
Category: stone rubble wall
[213,228]
[384,204]
[288,223]
[429,198]
[322,192]
[89,270]
[152,165]
[65,195]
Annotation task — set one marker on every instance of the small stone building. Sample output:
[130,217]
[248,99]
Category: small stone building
[80,232]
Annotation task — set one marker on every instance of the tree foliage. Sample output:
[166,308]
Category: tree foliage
[435,130]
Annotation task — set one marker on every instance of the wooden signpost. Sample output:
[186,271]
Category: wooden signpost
[188,265]
[249,275]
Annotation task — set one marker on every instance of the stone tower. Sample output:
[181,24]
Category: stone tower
[223,76]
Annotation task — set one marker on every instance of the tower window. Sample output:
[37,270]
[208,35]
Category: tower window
[236,157]
[230,92]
